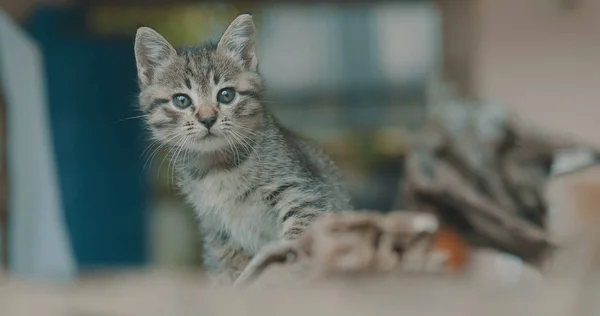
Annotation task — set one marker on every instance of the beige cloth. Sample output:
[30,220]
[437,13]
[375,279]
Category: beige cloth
[483,173]
[350,243]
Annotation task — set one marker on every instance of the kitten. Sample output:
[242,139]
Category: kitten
[250,180]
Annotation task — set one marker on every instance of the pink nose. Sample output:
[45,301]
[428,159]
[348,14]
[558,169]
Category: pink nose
[207,116]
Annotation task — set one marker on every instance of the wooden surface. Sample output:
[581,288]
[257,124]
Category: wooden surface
[184,294]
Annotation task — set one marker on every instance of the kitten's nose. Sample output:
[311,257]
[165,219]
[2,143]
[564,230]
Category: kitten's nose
[207,116]
[208,121]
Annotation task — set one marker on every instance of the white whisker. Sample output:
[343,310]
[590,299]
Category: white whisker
[155,151]
[169,153]
[132,118]
[245,143]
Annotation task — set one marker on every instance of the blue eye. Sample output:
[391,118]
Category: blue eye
[226,95]
[182,101]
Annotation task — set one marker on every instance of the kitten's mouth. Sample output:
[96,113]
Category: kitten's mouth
[208,142]
[209,135]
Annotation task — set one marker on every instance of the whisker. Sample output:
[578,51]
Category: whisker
[146,151]
[186,157]
[232,146]
[169,153]
[131,118]
[155,151]
[244,141]
[149,147]
[240,141]
[252,132]
[181,148]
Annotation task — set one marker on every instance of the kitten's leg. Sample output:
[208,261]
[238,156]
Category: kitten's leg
[282,252]
[295,220]
[223,261]
[296,205]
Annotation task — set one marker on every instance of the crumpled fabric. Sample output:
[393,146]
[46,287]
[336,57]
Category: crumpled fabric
[483,172]
[351,243]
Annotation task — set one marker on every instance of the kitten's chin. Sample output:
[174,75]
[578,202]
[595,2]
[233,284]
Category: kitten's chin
[209,143]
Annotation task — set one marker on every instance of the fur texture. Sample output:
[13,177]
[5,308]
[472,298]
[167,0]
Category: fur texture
[250,180]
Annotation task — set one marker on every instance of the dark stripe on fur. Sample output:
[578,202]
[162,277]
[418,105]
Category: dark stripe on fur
[253,112]
[223,235]
[242,198]
[250,94]
[174,116]
[187,59]
[294,232]
[198,173]
[273,197]
[156,103]
[188,65]
[162,124]
[237,111]
[231,160]
[307,216]
[188,83]
[235,160]
[189,72]
[295,211]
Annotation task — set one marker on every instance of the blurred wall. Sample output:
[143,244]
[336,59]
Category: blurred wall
[543,60]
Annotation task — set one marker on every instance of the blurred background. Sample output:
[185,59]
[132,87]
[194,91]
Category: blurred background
[82,192]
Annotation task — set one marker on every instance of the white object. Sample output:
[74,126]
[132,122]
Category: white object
[38,243]
[494,268]
[572,159]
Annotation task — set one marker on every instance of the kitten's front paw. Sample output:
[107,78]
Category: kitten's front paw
[283,252]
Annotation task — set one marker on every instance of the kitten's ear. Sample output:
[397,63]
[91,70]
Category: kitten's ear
[238,40]
[151,51]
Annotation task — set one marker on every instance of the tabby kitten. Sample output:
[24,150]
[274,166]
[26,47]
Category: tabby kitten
[250,180]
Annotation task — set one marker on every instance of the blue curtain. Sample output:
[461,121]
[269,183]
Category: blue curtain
[92,89]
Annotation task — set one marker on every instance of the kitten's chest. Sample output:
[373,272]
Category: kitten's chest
[222,200]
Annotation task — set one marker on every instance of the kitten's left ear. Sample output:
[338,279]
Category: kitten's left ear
[238,40]
[151,52]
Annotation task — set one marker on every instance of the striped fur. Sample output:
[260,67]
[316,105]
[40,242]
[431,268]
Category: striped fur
[250,180]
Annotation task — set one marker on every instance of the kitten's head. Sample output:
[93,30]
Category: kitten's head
[203,98]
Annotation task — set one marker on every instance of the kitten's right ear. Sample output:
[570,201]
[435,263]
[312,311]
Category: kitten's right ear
[238,40]
[151,51]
